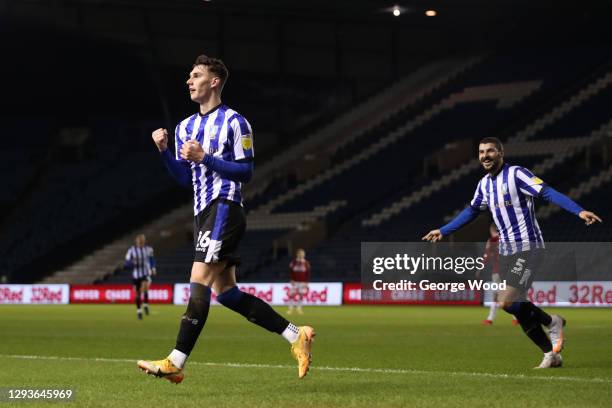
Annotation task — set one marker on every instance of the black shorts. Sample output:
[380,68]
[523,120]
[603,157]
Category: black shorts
[137,281]
[518,270]
[217,231]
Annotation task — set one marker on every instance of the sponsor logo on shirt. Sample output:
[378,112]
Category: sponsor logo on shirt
[506,203]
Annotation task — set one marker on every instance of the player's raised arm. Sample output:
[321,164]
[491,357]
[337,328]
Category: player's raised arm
[179,172]
[192,150]
[240,169]
[160,138]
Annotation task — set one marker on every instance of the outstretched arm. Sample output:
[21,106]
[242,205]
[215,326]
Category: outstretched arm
[563,201]
[534,186]
[478,203]
[466,216]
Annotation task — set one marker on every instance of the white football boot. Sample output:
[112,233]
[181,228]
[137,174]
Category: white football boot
[555,332]
[551,360]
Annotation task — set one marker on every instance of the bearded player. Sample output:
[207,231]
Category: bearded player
[507,191]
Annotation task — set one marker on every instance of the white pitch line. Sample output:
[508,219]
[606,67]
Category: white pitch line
[338,369]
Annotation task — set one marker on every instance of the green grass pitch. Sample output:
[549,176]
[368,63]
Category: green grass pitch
[363,357]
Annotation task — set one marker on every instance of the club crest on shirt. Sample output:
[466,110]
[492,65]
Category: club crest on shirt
[505,188]
[537,180]
[247,142]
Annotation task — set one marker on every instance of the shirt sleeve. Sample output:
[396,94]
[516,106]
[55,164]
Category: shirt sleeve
[479,202]
[243,138]
[563,201]
[152,262]
[466,216]
[528,183]
[178,168]
[128,264]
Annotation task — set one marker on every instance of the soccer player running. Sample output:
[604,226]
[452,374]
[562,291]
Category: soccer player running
[508,191]
[491,258]
[141,260]
[299,270]
[214,155]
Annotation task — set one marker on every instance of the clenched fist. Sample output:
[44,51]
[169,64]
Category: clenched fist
[160,137]
[192,150]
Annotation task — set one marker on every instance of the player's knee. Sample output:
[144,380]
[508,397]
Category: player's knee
[510,306]
[205,273]
[223,285]
[230,298]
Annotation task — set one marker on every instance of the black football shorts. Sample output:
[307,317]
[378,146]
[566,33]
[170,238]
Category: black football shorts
[137,281]
[217,232]
[518,270]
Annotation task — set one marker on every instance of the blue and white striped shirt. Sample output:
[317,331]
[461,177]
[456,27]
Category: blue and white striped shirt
[141,260]
[509,197]
[225,134]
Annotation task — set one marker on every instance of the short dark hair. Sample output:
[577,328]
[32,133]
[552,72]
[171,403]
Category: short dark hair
[214,66]
[498,144]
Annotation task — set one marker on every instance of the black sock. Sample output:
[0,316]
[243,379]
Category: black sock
[254,309]
[541,316]
[534,331]
[532,327]
[530,324]
[194,318]
[138,301]
[146,296]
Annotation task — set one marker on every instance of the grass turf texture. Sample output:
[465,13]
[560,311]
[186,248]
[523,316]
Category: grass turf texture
[427,356]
